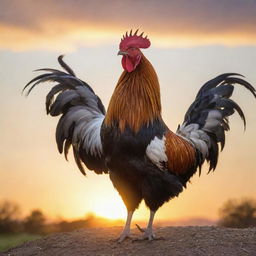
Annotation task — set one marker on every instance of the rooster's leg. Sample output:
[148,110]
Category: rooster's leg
[149,234]
[126,231]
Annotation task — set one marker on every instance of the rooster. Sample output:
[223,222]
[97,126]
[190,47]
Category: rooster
[130,141]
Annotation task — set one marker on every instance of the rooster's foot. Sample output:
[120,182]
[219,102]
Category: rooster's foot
[124,235]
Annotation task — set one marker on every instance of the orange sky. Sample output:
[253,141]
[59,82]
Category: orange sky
[29,24]
[191,43]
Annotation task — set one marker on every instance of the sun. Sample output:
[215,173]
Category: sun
[110,207]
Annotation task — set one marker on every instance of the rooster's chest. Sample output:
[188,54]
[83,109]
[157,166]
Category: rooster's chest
[122,146]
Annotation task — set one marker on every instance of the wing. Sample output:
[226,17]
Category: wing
[82,114]
[174,154]
[206,120]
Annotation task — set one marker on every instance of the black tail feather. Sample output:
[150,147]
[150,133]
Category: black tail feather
[65,66]
[82,114]
[208,115]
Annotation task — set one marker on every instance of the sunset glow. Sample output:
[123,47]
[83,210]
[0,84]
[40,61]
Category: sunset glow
[111,208]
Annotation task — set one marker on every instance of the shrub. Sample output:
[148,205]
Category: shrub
[238,213]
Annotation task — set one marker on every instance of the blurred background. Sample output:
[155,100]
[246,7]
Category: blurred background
[192,41]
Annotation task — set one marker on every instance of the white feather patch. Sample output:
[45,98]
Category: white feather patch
[198,137]
[156,152]
[92,139]
[213,120]
[214,114]
[87,132]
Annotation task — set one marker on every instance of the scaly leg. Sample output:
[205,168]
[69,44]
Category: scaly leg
[149,234]
[126,231]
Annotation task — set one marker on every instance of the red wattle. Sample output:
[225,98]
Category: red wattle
[127,64]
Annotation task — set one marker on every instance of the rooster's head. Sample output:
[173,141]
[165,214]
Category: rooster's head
[130,49]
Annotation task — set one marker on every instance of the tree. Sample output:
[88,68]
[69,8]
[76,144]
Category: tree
[238,213]
[34,223]
[9,213]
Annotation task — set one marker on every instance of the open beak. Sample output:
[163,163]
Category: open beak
[122,53]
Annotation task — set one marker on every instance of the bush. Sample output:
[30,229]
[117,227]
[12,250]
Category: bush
[9,213]
[238,213]
[34,223]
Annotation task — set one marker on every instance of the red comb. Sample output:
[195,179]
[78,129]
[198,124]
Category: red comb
[133,40]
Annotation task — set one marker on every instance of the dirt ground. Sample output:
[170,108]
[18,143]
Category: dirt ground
[178,241]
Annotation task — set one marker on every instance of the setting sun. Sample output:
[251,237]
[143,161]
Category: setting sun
[110,207]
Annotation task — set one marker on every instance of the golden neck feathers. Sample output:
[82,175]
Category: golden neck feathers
[136,98]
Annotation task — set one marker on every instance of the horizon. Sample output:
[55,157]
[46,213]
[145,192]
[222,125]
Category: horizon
[186,51]
[109,221]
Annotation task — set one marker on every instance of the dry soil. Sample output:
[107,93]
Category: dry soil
[177,241]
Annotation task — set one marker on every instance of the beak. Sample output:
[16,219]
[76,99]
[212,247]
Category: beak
[122,53]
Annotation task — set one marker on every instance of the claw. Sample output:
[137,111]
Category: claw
[124,235]
[149,235]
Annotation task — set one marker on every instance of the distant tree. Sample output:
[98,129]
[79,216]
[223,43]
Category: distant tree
[35,222]
[66,226]
[9,213]
[238,214]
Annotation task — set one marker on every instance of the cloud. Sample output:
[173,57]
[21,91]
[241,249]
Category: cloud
[67,24]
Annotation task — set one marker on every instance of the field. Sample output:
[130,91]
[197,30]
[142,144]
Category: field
[11,240]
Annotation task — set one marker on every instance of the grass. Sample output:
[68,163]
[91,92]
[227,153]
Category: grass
[10,240]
